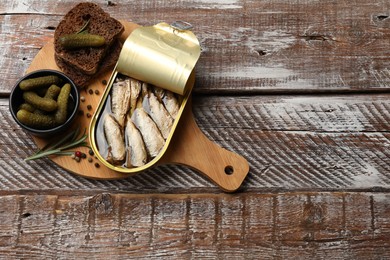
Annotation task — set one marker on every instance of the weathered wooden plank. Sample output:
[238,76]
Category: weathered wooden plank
[291,142]
[247,46]
[10,231]
[345,225]
[19,45]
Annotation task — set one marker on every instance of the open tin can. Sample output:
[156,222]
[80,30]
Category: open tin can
[162,56]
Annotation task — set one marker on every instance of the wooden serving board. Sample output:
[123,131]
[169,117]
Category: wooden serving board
[189,146]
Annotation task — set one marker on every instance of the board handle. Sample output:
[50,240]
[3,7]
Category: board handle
[190,147]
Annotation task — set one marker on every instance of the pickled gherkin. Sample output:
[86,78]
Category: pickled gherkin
[62,101]
[34,99]
[28,107]
[52,92]
[39,82]
[34,120]
[81,40]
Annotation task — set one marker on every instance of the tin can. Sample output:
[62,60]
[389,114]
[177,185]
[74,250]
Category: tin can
[162,55]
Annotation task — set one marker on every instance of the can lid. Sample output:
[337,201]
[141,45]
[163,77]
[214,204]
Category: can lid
[163,55]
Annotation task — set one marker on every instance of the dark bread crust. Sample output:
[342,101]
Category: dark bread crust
[86,60]
[81,79]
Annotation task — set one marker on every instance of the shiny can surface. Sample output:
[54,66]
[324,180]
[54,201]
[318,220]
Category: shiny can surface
[161,55]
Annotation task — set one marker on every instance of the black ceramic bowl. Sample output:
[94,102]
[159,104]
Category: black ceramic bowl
[16,99]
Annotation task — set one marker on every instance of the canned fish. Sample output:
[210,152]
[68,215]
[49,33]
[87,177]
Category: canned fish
[145,97]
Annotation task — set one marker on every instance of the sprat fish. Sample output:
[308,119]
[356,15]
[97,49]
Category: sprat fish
[115,139]
[158,113]
[135,90]
[152,137]
[136,151]
[120,100]
[169,100]
[171,103]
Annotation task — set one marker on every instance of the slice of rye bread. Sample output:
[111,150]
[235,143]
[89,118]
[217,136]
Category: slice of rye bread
[86,60]
[81,79]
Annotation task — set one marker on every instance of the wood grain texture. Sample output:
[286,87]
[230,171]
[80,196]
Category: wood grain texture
[191,147]
[247,46]
[318,150]
[244,226]
[291,142]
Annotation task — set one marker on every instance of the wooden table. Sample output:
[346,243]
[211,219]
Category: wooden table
[299,88]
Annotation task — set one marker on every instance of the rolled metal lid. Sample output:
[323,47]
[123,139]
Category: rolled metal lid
[163,55]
